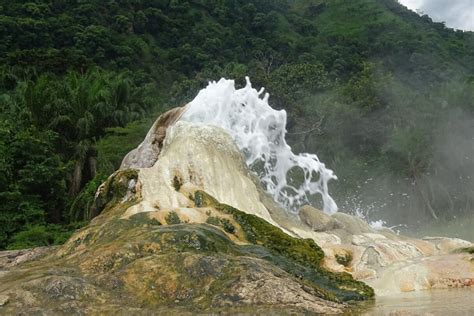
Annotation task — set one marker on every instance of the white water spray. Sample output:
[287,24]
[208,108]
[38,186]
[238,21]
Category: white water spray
[259,131]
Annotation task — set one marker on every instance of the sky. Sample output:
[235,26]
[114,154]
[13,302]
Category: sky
[458,14]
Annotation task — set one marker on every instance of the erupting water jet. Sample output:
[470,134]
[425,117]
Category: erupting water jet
[259,132]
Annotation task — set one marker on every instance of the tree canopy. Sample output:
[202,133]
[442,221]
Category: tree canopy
[378,91]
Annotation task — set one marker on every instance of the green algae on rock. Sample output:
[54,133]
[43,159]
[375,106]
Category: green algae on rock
[303,252]
[344,258]
[114,188]
[149,265]
[189,266]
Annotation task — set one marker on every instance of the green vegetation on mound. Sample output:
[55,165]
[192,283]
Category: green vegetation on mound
[113,190]
[140,246]
[234,260]
[299,257]
[344,259]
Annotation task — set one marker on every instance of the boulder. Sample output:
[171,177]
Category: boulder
[352,225]
[317,219]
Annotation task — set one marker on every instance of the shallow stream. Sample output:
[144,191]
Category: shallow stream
[451,302]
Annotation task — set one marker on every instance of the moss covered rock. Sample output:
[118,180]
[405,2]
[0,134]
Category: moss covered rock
[159,244]
[300,257]
[139,264]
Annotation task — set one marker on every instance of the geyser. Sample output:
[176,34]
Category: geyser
[259,131]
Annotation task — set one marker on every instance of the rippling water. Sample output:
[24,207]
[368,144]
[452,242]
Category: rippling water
[450,302]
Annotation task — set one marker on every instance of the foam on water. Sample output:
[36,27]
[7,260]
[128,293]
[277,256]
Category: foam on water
[259,131]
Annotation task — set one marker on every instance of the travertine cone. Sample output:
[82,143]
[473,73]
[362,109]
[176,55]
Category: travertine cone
[226,177]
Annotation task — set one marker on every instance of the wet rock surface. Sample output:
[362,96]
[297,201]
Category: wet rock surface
[9,259]
[394,264]
[161,244]
[317,219]
[117,265]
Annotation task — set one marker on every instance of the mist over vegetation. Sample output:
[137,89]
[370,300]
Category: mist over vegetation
[384,96]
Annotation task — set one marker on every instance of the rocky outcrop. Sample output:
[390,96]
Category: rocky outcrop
[391,263]
[184,226]
[425,273]
[146,154]
[10,259]
[158,262]
[187,231]
[196,156]
[317,219]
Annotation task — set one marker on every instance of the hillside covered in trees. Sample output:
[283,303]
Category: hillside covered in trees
[384,96]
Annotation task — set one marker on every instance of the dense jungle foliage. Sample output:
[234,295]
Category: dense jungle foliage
[383,95]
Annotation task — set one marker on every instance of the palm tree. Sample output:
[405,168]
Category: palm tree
[79,104]
[122,103]
[79,107]
[89,104]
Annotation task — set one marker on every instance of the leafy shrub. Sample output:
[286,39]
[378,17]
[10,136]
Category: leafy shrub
[43,235]
[228,226]
[213,220]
